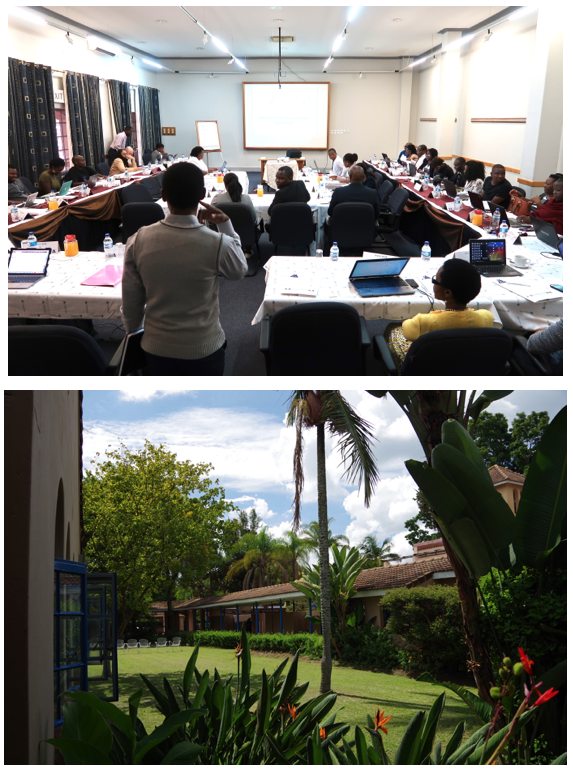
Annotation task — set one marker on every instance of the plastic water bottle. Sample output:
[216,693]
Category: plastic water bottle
[457,204]
[32,240]
[84,190]
[495,221]
[426,179]
[108,182]
[14,215]
[503,229]
[334,251]
[438,191]
[426,251]
[108,247]
[126,176]
[374,159]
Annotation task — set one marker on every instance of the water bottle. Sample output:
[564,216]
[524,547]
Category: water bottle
[426,179]
[426,251]
[437,191]
[108,247]
[108,182]
[375,159]
[457,204]
[495,222]
[32,240]
[84,190]
[126,176]
[503,229]
[334,251]
[14,215]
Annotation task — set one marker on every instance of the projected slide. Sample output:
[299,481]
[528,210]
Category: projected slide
[294,116]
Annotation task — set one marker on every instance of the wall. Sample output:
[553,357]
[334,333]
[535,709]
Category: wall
[46,45]
[511,492]
[366,108]
[43,434]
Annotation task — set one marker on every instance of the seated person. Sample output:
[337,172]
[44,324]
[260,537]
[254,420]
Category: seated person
[159,155]
[16,188]
[552,211]
[131,154]
[51,179]
[288,189]
[459,165]
[430,155]
[124,162]
[421,150]
[410,151]
[78,172]
[413,159]
[475,175]
[403,153]
[337,163]
[196,157]
[548,345]
[369,178]
[349,160]
[355,191]
[457,282]
[441,170]
[496,188]
[234,194]
[170,284]
[547,190]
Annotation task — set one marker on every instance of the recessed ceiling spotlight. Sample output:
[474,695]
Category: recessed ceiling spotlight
[396,19]
[161,21]
[142,41]
[275,7]
[368,48]
[200,48]
[278,21]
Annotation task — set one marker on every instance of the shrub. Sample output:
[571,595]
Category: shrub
[370,647]
[429,619]
[310,645]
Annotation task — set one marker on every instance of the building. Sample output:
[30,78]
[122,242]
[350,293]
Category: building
[509,484]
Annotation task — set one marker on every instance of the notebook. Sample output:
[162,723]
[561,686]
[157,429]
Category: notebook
[26,267]
[110,276]
[380,276]
[488,256]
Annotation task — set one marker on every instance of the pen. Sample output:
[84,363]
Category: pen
[511,283]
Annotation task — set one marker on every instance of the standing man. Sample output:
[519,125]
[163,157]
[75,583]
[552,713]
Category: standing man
[119,142]
[337,164]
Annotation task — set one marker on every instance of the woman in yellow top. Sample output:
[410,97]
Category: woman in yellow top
[123,162]
[456,283]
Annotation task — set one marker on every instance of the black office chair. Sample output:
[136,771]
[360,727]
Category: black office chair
[523,362]
[153,186]
[293,153]
[389,218]
[131,193]
[380,178]
[521,191]
[28,184]
[241,217]
[146,158]
[352,226]
[46,349]
[385,191]
[462,351]
[136,214]
[103,168]
[292,227]
[159,178]
[315,339]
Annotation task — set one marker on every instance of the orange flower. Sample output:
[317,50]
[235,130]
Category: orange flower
[292,710]
[525,661]
[551,692]
[238,651]
[323,734]
[379,721]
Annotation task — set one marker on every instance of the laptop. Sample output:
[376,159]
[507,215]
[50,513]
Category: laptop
[449,187]
[385,157]
[316,166]
[380,276]
[412,169]
[63,191]
[545,232]
[510,219]
[132,355]
[223,168]
[26,267]
[488,256]
[476,200]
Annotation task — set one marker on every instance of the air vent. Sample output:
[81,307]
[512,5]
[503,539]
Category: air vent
[99,45]
[282,39]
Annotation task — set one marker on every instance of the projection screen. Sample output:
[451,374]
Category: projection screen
[294,116]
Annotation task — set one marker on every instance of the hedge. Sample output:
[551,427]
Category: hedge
[309,644]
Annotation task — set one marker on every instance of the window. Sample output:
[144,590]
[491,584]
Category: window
[62,134]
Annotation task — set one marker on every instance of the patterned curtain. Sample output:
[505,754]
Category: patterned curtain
[149,118]
[32,138]
[119,96]
[84,112]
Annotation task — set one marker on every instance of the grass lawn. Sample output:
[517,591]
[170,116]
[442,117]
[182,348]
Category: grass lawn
[359,691]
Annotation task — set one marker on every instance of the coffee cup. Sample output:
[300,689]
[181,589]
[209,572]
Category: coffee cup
[521,261]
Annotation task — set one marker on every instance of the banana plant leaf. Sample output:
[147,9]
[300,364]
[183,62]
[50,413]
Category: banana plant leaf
[480,707]
[484,401]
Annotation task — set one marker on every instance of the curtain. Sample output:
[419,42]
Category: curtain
[119,96]
[150,121]
[84,113]
[32,138]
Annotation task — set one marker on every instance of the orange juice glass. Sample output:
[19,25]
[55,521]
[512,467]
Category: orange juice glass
[53,204]
[71,247]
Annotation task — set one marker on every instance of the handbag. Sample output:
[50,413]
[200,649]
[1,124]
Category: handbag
[520,206]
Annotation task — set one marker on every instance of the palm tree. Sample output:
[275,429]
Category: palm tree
[311,532]
[317,409]
[374,553]
[261,557]
[294,552]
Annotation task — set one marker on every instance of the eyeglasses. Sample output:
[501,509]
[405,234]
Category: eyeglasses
[435,281]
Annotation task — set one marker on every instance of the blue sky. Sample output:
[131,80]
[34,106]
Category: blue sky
[244,435]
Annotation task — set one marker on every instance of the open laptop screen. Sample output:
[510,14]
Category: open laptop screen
[30,261]
[487,251]
[364,269]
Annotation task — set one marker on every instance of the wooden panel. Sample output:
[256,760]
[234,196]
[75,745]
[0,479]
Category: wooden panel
[497,120]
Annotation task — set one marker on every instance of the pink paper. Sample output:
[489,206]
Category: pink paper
[110,276]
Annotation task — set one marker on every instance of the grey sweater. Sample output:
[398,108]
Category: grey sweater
[170,274]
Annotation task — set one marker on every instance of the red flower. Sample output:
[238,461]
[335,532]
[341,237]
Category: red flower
[551,692]
[379,721]
[238,651]
[525,661]
[323,734]
[292,710]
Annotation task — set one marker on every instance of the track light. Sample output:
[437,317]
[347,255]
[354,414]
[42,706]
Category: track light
[488,36]
[68,38]
[153,64]
[205,38]
[231,60]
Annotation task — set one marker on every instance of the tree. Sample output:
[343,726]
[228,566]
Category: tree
[526,434]
[294,552]
[262,554]
[422,527]
[317,409]
[510,448]
[143,522]
[375,554]
[311,532]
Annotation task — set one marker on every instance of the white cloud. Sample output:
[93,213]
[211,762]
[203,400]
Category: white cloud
[145,394]
[278,530]
[260,506]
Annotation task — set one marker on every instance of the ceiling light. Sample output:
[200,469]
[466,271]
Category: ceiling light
[353,11]
[220,45]
[211,75]
[231,60]
[153,64]
[278,21]
[27,16]
[419,61]
[205,38]
[337,43]
[161,21]
[244,66]
[328,61]
[68,38]
[433,59]
[459,42]
[360,75]
[396,20]
[488,36]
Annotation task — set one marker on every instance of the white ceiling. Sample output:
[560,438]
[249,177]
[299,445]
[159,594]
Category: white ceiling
[246,31]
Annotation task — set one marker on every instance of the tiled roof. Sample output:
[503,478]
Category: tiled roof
[499,475]
[428,545]
[161,605]
[237,597]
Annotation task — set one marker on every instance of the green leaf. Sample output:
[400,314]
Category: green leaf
[462,753]
[183,753]
[188,674]
[543,502]
[454,741]
[361,748]
[170,725]
[555,677]
[454,434]
[226,718]
[495,739]
[245,662]
[162,703]
[107,709]
[288,685]
[377,394]
[82,722]
[430,726]
[484,401]
[437,754]
[277,755]
[481,708]
[560,759]
[410,740]
[80,751]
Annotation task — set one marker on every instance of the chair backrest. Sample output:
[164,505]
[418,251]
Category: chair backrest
[293,153]
[161,642]
[352,225]
[159,178]
[103,168]
[153,186]
[143,643]
[397,200]
[146,158]
[379,177]
[292,225]
[28,184]
[482,351]
[134,192]
[384,191]
[137,214]
[132,643]
[120,643]
[241,217]
[315,339]
[176,641]
[46,349]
